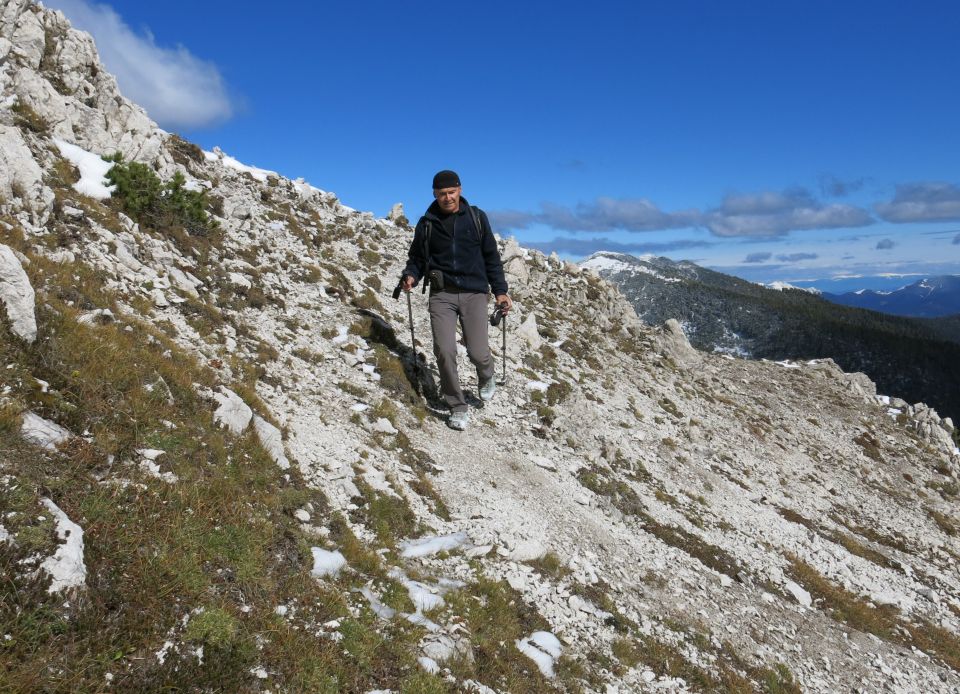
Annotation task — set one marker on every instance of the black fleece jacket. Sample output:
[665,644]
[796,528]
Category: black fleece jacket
[468,257]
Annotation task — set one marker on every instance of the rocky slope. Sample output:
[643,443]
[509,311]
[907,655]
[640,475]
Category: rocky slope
[629,514]
[919,359]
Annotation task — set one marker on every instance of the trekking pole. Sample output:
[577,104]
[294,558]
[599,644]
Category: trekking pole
[413,339]
[499,314]
[504,331]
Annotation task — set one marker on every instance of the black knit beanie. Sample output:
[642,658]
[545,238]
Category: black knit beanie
[446,179]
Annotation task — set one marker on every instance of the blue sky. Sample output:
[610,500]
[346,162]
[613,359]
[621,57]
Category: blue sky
[793,141]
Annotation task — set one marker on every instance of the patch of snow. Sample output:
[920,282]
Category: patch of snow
[426,546]
[66,565]
[780,286]
[379,609]
[259,174]
[152,469]
[93,170]
[164,650]
[233,412]
[543,648]
[272,441]
[43,432]
[326,563]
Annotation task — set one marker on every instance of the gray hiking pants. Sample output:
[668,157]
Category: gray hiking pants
[470,308]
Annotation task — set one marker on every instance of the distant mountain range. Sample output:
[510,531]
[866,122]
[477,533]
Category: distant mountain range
[912,358]
[931,297]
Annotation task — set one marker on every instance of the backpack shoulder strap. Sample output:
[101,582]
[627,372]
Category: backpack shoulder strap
[427,228]
[475,211]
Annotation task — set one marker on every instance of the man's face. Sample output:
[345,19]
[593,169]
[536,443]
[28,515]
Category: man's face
[448,198]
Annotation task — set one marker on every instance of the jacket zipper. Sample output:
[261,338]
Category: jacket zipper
[454,244]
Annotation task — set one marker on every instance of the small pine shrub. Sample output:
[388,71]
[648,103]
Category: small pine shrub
[158,205]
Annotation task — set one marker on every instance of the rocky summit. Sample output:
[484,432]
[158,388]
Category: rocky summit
[223,466]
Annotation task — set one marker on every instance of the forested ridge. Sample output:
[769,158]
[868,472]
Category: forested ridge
[910,358]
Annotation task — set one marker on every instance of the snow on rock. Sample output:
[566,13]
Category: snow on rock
[17,295]
[326,563]
[543,648]
[259,174]
[426,546]
[233,413]
[43,432]
[271,440]
[66,566]
[93,170]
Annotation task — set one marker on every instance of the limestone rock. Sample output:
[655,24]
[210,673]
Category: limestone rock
[20,175]
[396,214]
[528,332]
[673,343]
[17,295]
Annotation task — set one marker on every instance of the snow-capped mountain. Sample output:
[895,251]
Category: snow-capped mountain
[223,466]
[932,297]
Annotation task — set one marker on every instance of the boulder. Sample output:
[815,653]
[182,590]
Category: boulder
[673,343]
[17,295]
[528,332]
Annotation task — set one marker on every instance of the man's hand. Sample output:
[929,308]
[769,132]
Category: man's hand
[406,284]
[504,299]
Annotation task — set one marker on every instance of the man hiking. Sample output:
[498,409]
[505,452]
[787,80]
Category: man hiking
[454,252]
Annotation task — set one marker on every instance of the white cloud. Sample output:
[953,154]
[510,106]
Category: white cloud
[176,88]
[758,215]
[603,214]
[776,214]
[923,202]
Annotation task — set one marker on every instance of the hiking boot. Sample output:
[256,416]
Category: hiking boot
[459,420]
[488,389]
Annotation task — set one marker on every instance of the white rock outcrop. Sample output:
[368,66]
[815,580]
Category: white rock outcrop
[17,295]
